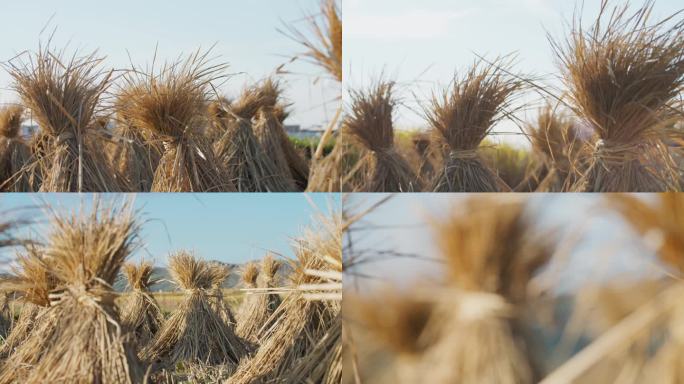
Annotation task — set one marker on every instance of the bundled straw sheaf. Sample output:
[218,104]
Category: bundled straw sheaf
[84,254]
[298,325]
[490,260]
[134,156]
[31,284]
[140,312]
[272,137]
[219,273]
[370,123]
[64,97]
[248,165]
[171,106]
[556,145]
[398,321]
[623,74]
[462,116]
[661,223]
[195,332]
[258,306]
[15,154]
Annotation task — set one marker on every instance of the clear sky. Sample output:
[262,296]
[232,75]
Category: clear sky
[228,227]
[245,33]
[421,43]
[605,246]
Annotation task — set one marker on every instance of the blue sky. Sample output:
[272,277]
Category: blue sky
[421,43]
[228,227]
[245,33]
[605,247]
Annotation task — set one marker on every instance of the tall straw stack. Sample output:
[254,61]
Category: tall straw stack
[624,74]
[461,117]
[15,154]
[238,149]
[397,321]
[64,97]
[219,273]
[555,144]
[323,363]
[258,306]
[85,253]
[298,324]
[272,137]
[171,106]
[195,332]
[25,344]
[370,124]
[140,312]
[490,260]
[134,156]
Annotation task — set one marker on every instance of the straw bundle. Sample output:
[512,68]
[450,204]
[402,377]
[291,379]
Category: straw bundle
[624,75]
[84,254]
[341,170]
[298,324]
[63,97]
[31,282]
[272,137]
[323,362]
[461,117]
[219,273]
[370,124]
[489,263]
[398,321]
[250,168]
[257,307]
[134,156]
[171,106]
[555,143]
[15,154]
[140,312]
[194,332]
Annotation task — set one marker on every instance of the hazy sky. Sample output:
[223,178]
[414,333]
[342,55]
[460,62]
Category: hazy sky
[421,43]
[228,227]
[245,33]
[606,247]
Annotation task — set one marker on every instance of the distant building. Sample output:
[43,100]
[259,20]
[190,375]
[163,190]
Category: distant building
[302,133]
